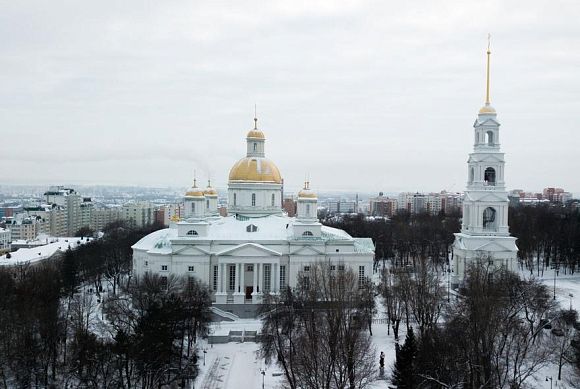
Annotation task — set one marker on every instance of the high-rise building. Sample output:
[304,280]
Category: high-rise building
[484,231]
[5,240]
[140,213]
[382,206]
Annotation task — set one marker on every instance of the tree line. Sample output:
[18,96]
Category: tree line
[82,321]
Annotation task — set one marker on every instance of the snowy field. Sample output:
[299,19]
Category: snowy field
[236,365]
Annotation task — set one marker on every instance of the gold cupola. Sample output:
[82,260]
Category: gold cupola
[306,192]
[194,191]
[255,167]
[209,190]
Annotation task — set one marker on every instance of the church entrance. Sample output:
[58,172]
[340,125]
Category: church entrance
[249,290]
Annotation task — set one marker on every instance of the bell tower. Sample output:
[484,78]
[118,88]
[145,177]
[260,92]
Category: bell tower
[484,230]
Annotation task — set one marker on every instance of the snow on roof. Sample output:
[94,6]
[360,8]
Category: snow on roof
[268,228]
[40,253]
[364,245]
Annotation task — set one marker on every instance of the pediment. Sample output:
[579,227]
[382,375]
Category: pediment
[491,157]
[487,122]
[307,250]
[191,250]
[249,250]
[491,196]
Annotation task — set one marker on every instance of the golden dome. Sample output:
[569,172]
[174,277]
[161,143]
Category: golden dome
[255,169]
[306,193]
[209,191]
[255,134]
[487,109]
[194,191]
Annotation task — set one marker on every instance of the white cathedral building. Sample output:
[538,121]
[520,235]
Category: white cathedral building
[484,231]
[257,248]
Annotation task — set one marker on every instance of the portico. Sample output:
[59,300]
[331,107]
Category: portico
[245,280]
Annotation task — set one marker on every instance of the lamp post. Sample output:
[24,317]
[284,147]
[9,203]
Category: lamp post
[570,295]
[555,274]
[263,372]
[550,379]
[204,352]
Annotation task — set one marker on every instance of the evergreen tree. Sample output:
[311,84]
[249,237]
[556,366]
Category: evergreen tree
[404,370]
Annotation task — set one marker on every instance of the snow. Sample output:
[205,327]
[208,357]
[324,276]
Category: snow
[39,253]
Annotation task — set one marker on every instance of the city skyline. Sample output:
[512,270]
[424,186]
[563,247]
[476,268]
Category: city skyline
[142,96]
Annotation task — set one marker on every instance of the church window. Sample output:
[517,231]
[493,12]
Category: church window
[250,268]
[471,174]
[232,278]
[190,283]
[306,268]
[235,199]
[251,228]
[215,277]
[253,199]
[273,199]
[255,146]
[146,263]
[340,267]
[207,204]
[361,277]
[163,283]
[489,176]
[332,267]
[489,219]
[307,233]
[164,267]
[308,209]
[306,282]
[282,276]
[267,276]
[190,268]
[192,207]
[192,232]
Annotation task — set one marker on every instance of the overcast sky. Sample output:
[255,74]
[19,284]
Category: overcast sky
[362,96]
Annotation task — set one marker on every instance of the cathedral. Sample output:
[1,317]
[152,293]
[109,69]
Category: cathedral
[484,231]
[257,248]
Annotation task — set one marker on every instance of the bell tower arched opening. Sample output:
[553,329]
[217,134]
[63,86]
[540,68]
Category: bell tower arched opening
[489,219]
[489,138]
[489,176]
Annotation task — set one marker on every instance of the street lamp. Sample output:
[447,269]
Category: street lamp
[555,274]
[263,372]
[204,352]
[549,378]
[570,295]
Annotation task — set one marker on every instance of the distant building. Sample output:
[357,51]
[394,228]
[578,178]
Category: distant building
[289,206]
[382,206]
[22,227]
[141,213]
[5,240]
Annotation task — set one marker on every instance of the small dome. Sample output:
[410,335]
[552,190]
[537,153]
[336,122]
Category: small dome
[209,191]
[306,192]
[255,134]
[487,109]
[194,191]
[255,169]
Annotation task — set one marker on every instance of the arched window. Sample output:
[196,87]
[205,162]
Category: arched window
[253,199]
[489,176]
[192,232]
[489,222]
[308,209]
[255,146]
[273,199]
[192,207]
[471,175]
[307,233]
[251,228]
[235,199]
[207,204]
[489,138]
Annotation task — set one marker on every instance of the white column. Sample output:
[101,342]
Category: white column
[275,278]
[224,278]
[261,277]
[255,282]
[242,280]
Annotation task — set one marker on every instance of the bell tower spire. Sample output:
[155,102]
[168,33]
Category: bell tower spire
[487,102]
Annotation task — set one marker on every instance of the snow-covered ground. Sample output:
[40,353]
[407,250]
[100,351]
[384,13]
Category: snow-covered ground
[41,252]
[236,365]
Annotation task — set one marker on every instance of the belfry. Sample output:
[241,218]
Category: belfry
[484,231]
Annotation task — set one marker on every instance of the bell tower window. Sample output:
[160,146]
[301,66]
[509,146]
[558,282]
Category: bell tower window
[253,199]
[489,219]
[489,176]
[489,138]
[255,147]
[273,199]
[192,207]
[235,199]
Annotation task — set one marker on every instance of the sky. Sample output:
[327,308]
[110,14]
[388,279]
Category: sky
[356,95]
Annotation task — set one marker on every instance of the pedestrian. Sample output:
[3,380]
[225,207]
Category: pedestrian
[382,360]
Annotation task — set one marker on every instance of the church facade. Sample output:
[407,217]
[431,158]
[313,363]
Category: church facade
[256,248]
[485,231]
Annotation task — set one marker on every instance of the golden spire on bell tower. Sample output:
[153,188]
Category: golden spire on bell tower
[487,108]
